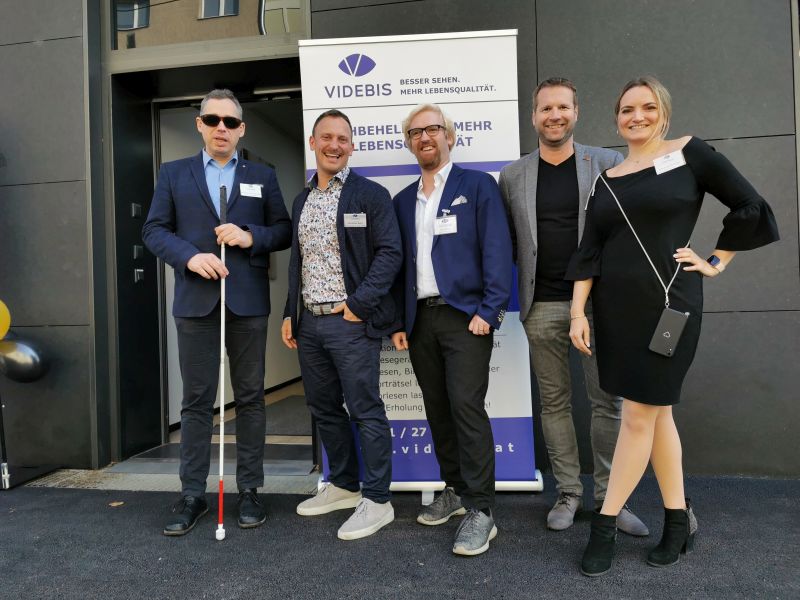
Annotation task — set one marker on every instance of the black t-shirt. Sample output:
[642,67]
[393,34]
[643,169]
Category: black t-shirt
[557,206]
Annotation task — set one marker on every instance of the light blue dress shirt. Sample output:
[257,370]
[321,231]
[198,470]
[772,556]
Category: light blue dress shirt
[217,176]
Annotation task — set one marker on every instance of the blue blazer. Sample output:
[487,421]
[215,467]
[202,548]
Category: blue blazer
[472,266]
[181,223]
[371,255]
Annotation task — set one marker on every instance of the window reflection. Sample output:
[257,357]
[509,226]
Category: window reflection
[145,23]
[219,8]
[133,15]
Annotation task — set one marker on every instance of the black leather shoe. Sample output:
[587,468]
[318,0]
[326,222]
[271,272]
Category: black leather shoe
[187,511]
[251,511]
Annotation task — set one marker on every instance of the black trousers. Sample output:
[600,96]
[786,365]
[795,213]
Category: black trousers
[452,368]
[198,351]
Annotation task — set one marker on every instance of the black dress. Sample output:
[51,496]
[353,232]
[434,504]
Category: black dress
[627,298]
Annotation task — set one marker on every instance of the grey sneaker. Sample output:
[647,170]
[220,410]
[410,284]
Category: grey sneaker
[368,518]
[563,512]
[629,523]
[474,534]
[439,511]
[328,499]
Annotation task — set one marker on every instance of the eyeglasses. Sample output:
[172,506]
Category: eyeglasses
[431,130]
[213,121]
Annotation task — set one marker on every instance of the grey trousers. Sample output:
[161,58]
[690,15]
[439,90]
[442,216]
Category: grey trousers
[547,328]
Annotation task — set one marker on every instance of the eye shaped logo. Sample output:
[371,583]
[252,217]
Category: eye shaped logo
[357,65]
[667,334]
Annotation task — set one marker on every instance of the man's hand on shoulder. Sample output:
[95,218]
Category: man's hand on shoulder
[233,235]
[207,265]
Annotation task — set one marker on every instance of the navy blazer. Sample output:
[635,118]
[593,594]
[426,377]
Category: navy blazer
[472,266]
[371,255]
[181,224]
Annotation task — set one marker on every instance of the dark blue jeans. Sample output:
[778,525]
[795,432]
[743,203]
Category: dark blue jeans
[341,366]
[198,351]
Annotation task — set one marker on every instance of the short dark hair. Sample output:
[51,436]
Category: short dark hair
[220,94]
[332,113]
[556,82]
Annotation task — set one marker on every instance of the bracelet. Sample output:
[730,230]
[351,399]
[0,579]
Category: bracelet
[578,317]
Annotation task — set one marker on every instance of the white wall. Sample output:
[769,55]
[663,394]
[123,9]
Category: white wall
[280,147]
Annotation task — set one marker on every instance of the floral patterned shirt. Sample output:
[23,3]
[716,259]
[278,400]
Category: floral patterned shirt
[322,277]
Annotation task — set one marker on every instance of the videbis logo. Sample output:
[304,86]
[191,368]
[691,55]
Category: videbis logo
[358,65]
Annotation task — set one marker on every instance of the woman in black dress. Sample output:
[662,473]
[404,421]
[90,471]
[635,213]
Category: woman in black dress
[654,195]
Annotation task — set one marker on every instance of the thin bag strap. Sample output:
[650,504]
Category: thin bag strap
[661,281]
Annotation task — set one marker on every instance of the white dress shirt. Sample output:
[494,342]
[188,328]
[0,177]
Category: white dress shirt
[424,218]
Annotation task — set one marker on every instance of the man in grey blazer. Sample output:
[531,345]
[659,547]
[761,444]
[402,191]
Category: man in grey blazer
[544,194]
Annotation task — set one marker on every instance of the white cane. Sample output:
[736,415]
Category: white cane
[223,215]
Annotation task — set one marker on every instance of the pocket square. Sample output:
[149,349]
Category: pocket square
[459,200]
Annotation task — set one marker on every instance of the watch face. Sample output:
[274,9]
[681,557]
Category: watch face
[714,260]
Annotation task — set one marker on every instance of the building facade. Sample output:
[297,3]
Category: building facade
[91,86]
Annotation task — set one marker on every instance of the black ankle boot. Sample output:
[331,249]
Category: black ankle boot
[599,552]
[679,528]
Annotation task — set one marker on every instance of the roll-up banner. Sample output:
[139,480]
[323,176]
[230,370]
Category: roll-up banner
[376,81]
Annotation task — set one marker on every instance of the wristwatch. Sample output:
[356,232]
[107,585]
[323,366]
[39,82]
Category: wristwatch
[715,262]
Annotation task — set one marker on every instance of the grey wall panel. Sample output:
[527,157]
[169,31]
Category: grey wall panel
[36,20]
[47,421]
[739,412]
[728,63]
[438,16]
[42,136]
[766,278]
[44,254]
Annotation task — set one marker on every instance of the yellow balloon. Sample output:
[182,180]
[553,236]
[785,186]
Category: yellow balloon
[5,320]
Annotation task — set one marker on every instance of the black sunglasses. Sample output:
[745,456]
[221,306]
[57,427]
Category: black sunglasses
[213,121]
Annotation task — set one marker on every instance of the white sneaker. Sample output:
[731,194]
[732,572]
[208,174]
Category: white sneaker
[368,518]
[328,499]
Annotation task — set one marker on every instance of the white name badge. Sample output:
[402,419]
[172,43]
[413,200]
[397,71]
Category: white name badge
[670,161]
[355,219]
[250,189]
[445,225]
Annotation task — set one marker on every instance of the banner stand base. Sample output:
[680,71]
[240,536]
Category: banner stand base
[429,487]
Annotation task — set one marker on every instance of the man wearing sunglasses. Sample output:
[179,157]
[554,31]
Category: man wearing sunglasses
[345,255]
[454,291]
[183,228]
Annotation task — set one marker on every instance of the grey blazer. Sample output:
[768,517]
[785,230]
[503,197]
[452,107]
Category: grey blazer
[518,186]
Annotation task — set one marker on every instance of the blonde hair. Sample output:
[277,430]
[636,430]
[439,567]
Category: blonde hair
[449,127]
[663,100]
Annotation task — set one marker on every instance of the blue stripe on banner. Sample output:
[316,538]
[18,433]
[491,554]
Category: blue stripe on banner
[413,169]
[513,304]
[414,458]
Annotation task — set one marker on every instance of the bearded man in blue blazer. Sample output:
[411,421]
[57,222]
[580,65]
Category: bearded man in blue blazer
[183,229]
[454,290]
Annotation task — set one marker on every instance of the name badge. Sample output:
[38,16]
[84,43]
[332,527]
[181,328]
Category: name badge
[445,225]
[670,161]
[355,219]
[250,189]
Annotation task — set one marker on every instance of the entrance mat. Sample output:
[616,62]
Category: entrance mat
[289,416]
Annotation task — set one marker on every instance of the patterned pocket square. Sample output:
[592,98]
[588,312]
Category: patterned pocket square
[459,200]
